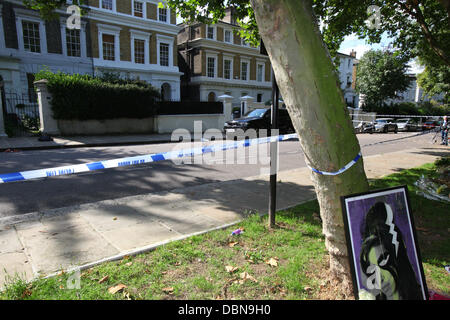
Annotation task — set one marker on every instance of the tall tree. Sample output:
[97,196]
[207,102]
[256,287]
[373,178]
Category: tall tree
[381,75]
[436,81]
[310,87]
[417,27]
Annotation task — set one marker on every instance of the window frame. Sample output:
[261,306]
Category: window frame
[167,40]
[143,36]
[36,30]
[263,74]
[167,15]
[214,30]
[66,43]
[214,58]
[113,5]
[42,32]
[244,43]
[113,51]
[231,59]
[109,30]
[231,35]
[160,55]
[231,69]
[83,42]
[2,33]
[144,9]
[259,94]
[247,71]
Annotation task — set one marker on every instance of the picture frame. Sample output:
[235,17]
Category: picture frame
[383,251]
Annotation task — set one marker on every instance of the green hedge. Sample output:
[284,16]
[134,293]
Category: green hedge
[83,97]
[408,108]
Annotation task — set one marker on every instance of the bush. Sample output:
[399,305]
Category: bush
[83,97]
[409,108]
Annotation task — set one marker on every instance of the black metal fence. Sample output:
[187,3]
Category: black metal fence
[21,112]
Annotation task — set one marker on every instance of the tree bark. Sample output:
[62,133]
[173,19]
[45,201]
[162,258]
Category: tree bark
[310,88]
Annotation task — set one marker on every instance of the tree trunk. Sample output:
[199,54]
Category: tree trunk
[310,88]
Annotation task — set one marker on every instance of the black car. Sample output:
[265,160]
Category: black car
[259,119]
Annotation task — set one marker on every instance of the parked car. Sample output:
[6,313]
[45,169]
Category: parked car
[430,125]
[259,119]
[385,125]
[364,127]
[408,124]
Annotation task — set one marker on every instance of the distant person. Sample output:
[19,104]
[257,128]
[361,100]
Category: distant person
[444,131]
[387,272]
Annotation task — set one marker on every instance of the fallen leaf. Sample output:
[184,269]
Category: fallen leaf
[272,262]
[232,244]
[307,289]
[128,264]
[246,276]
[118,288]
[231,269]
[168,290]
[250,261]
[103,279]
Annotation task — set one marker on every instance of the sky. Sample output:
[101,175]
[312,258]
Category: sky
[360,46]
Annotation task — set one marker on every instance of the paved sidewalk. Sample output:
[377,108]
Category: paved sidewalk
[32,143]
[43,243]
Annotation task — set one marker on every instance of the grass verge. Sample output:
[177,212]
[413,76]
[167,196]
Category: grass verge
[288,262]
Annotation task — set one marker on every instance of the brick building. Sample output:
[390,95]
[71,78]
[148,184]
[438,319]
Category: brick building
[216,61]
[133,38]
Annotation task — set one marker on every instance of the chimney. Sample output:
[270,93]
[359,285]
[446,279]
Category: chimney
[230,16]
[353,54]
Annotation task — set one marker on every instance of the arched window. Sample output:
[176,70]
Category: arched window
[166,92]
[211,97]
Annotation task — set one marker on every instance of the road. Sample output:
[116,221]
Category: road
[49,193]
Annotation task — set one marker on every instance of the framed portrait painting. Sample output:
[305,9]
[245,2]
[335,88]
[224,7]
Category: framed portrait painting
[382,245]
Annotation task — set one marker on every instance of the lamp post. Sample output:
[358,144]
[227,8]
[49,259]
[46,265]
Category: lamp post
[273,146]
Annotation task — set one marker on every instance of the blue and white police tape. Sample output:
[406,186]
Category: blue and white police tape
[340,171]
[137,160]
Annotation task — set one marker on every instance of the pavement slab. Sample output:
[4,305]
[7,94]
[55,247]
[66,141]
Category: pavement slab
[62,242]
[13,259]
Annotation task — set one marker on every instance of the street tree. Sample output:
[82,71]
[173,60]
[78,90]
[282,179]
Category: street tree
[419,28]
[381,75]
[310,88]
[436,81]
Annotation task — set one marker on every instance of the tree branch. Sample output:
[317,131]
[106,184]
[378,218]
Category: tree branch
[412,8]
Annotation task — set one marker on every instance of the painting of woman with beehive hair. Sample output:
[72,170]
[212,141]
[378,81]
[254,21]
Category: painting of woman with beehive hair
[384,256]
